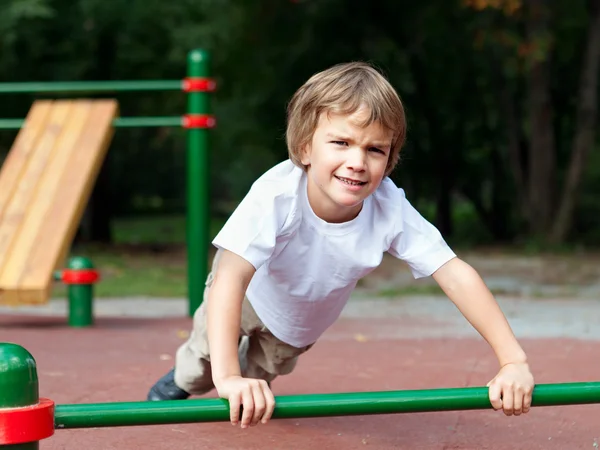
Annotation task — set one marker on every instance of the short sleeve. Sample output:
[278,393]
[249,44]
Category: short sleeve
[252,229]
[418,242]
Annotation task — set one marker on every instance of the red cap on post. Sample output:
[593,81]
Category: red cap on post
[198,84]
[27,423]
[80,276]
[198,121]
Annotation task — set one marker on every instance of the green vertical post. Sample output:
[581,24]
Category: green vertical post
[198,216]
[18,384]
[81,295]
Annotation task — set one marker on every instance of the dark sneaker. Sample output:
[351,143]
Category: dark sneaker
[166,389]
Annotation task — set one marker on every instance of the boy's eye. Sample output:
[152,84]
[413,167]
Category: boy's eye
[339,142]
[375,149]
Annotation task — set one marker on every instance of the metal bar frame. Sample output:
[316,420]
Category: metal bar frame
[198,214]
[315,405]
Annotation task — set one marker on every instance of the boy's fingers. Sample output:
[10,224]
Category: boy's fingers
[527,400]
[508,399]
[518,402]
[259,403]
[270,403]
[494,394]
[248,407]
[234,409]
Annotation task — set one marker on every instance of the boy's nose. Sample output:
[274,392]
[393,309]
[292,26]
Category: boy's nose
[356,159]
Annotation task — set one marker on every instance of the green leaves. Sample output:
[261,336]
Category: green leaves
[462,68]
[15,12]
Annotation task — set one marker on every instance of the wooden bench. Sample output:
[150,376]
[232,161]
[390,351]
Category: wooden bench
[45,184]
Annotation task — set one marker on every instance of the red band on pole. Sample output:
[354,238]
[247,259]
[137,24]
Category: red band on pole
[27,424]
[198,121]
[80,276]
[190,84]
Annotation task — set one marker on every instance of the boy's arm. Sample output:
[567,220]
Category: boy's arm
[225,297]
[463,285]
[514,383]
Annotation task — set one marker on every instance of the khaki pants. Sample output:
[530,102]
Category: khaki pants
[262,355]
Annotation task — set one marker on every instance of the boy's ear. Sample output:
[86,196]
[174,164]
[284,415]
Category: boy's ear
[305,155]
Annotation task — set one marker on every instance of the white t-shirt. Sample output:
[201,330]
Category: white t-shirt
[306,268]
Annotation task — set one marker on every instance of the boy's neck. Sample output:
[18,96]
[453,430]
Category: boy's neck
[325,209]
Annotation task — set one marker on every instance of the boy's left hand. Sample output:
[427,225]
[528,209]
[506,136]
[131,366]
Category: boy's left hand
[511,389]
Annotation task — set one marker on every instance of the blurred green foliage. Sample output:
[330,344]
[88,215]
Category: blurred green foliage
[468,72]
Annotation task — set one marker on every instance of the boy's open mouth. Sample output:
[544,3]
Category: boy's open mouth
[350,181]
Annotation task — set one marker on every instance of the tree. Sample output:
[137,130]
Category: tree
[585,129]
[524,43]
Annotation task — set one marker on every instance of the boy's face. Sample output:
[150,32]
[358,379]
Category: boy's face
[345,164]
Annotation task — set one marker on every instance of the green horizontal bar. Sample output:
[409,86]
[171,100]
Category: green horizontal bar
[317,405]
[119,122]
[131,122]
[91,86]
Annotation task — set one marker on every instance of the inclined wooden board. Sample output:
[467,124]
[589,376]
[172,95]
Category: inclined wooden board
[14,166]
[70,198]
[16,160]
[26,185]
[43,199]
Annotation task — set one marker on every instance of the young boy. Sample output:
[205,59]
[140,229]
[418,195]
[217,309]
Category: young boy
[292,252]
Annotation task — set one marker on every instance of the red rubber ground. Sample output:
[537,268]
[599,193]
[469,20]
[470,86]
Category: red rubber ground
[119,359]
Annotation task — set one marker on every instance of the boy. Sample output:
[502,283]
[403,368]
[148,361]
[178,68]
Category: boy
[291,253]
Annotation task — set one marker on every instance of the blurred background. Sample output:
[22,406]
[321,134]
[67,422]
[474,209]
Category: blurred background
[501,98]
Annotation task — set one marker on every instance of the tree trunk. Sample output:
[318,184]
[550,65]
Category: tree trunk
[500,223]
[445,175]
[513,164]
[97,218]
[516,150]
[444,162]
[542,151]
[587,113]
[100,213]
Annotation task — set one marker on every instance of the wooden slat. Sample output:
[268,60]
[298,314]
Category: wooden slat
[44,198]
[72,194]
[17,208]
[16,162]
[17,158]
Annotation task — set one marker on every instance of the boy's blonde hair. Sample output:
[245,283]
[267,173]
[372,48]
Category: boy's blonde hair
[343,89]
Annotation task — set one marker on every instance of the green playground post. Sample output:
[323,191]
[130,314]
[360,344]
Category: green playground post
[198,216]
[81,295]
[18,385]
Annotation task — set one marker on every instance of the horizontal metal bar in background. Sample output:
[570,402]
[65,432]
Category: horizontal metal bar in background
[90,86]
[119,122]
[315,405]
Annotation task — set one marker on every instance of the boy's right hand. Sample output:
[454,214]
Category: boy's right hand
[252,395]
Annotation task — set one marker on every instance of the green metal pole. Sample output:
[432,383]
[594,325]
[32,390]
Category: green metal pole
[81,296]
[318,405]
[18,384]
[198,217]
[118,122]
[90,86]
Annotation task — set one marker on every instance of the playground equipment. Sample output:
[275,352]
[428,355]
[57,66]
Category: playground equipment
[49,173]
[44,185]
[25,418]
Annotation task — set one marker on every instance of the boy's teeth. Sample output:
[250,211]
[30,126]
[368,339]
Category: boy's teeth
[354,183]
